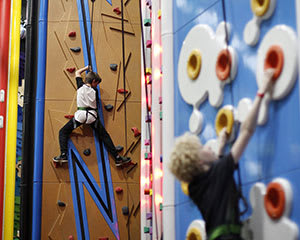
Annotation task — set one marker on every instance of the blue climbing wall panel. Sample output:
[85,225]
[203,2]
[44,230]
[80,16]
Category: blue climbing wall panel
[274,149]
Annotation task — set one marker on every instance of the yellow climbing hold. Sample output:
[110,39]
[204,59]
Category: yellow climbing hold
[194,64]
[224,119]
[260,7]
[194,234]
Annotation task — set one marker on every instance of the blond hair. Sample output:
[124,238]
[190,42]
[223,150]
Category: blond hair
[185,160]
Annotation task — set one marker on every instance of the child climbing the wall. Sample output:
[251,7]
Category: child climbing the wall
[209,175]
[87,99]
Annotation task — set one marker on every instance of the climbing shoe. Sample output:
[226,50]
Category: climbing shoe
[62,158]
[121,161]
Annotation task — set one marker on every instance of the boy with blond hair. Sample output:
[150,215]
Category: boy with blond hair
[210,176]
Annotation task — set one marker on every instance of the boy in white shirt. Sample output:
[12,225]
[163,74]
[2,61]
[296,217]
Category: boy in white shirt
[86,113]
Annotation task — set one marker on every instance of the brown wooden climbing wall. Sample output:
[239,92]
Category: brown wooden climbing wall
[58,222]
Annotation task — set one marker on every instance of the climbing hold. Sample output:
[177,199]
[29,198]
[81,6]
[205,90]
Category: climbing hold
[161,158]
[148,44]
[149,79]
[117,11]
[274,59]
[275,200]
[149,215]
[160,206]
[61,204]
[87,152]
[72,34]
[125,210]
[224,118]
[69,116]
[159,13]
[70,70]
[108,107]
[121,90]
[147,22]
[148,118]
[146,229]
[147,191]
[118,190]
[147,142]
[223,65]
[119,148]
[194,234]
[136,131]
[160,115]
[260,7]
[148,71]
[71,237]
[148,156]
[160,100]
[103,238]
[113,66]
[76,49]
[194,64]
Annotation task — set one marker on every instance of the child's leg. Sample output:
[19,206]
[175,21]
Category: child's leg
[106,139]
[64,134]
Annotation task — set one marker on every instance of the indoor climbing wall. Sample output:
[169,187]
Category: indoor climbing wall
[89,197]
[220,50]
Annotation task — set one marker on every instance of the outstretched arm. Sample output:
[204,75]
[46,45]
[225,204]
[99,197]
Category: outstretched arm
[248,126]
[81,70]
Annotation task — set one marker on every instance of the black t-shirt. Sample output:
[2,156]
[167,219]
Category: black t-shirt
[216,195]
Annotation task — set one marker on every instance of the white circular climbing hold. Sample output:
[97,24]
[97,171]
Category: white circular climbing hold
[252,32]
[196,122]
[284,37]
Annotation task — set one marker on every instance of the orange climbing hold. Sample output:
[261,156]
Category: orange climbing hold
[223,65]
[69,116]
[274,59]
[121,90]
[275,200]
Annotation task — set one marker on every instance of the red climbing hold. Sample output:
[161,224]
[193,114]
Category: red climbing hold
[117,10]
[105,238]
[72,34]
[70,70]
[136,131]
[121,90]
[148,44]
[69,116]
[71,237]
[118,190]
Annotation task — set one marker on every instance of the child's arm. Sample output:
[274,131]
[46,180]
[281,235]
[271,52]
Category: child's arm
[81,70]
[248,126]
[222,139]
[79,80]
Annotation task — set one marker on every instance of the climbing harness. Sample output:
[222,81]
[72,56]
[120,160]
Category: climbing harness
[88,111]
[224,230]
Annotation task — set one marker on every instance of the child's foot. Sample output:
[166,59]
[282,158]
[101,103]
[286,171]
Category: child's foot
[62,158]
[121,161]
